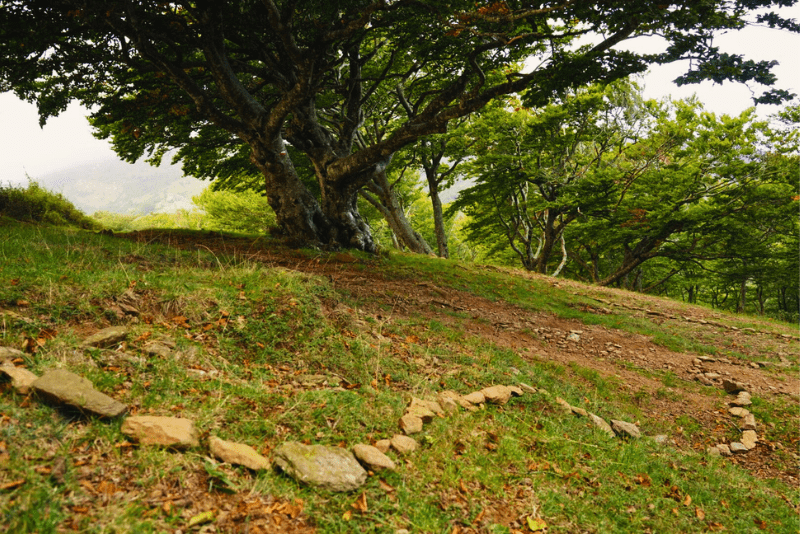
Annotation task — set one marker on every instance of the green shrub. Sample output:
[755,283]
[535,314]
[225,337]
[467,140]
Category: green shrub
[36,204]
[242,211]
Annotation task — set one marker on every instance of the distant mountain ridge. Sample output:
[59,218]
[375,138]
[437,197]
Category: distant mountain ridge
[119,187]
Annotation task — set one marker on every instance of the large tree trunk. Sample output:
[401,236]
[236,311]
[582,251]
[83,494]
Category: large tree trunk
[347,228]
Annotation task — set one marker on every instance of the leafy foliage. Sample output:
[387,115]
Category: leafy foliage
[36,204]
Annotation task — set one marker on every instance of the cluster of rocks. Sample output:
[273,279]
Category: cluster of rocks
[616,428]
[331,468]
[747,422]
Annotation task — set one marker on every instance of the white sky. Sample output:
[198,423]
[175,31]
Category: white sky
[66,140]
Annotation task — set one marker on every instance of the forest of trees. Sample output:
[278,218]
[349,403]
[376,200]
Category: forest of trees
[352,117]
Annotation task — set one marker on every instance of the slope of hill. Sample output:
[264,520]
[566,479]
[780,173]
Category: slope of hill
[119,187]
[261,345]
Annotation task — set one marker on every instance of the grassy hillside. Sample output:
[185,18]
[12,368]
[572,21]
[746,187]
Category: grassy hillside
[267,345]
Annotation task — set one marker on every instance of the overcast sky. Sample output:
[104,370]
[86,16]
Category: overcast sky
[67,139]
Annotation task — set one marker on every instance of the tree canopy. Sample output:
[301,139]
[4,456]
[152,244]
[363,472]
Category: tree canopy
[285,80]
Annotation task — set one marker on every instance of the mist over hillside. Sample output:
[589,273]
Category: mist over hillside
[119,187]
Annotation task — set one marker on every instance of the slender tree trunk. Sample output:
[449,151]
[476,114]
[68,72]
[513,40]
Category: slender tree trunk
[742,303]
[438,218]
[385,200]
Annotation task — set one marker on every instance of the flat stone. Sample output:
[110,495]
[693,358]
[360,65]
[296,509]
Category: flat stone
[601,423]
[106,337]
[712,376]
[732,386]
[403,444]
[21,378]
[738,411]
[738,448]
[724,450]
[372,458]
[516,391]
[749,422]
[567,406]
[448,404]
[749,439]
[741,400]
[476,397]
[7,353]
[573,337]
[419,409]
[237,453]
[173,432]
[623,428]
[526,387]
[579,411]
[62,387]
[496,394]
[411,424]
[383,445]
[713,451]
[158,348]
[330,468]
[433,406]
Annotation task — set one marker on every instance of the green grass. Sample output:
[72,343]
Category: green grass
[248,334]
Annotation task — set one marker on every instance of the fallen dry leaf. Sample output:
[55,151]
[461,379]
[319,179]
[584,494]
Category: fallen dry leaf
[361,503]
[699,513]
[12,485]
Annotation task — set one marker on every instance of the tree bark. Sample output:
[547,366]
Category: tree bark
[385,200]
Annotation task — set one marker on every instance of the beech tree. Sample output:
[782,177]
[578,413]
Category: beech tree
[265,77]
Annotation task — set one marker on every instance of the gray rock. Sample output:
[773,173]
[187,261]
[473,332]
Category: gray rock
[601,423]
[527,387]
[21,378]
[373,458]
[496,394]
[573,337]
[713,451]
[732,386]
[623,428]
[403,444]
[237,453]
[107,337]
[63,387]
[330,468]
[738,448]
[173,432]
